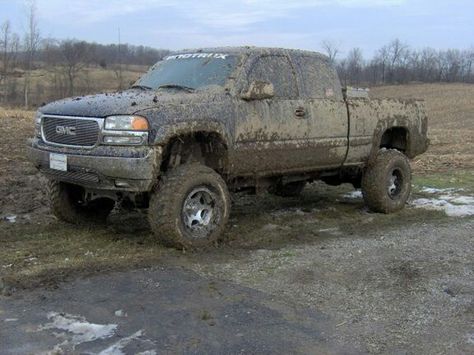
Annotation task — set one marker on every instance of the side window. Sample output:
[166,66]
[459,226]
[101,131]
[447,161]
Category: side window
[318,78]
[278,71]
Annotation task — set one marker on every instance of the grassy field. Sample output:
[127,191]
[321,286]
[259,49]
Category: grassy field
[37,249]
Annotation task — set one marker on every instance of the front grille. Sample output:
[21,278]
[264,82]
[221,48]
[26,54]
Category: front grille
[72,176]
[70,131]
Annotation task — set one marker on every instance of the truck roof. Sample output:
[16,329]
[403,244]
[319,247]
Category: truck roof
[255,50]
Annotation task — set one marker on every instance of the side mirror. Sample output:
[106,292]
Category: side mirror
[259,90]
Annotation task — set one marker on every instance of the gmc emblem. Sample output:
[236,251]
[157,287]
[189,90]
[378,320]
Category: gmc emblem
[66,130]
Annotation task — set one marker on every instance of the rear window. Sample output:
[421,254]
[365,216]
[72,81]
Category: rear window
[318,78]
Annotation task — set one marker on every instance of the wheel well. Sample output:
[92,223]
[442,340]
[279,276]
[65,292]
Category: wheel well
[209,148]
[395,138]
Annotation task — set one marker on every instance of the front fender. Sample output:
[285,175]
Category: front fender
[168,131]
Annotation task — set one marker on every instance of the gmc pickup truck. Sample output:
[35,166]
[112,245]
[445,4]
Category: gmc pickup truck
[205,122]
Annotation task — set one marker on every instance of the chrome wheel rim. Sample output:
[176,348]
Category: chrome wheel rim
[199,213]
[395,182]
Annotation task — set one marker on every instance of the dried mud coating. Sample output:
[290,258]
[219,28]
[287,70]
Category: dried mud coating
[275,120]
[167,203]
[388,175]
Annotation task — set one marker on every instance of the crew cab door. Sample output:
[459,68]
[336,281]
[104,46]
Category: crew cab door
[304,126]
[269,131]
[328,128]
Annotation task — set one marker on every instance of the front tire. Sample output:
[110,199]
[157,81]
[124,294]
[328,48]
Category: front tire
[386,184]
[66,203]
[190,207]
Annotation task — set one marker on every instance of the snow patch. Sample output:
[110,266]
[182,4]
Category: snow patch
[120,313]
[288,211]
[82,331]
[333,231]
[463,200]
[270,227]
[353,194]
[434,190]
[11,219]
[453,205]
[116,349]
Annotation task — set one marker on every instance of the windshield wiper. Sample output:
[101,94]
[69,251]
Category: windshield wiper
[143,87]
[176,86]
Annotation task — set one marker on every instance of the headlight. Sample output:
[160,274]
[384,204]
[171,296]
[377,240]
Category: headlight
[126,123]
[38,124]
[125,130]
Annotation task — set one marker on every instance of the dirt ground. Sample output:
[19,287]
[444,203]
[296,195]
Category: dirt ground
[399,283]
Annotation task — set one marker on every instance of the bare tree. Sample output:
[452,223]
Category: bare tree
[384,60]
[469,61]
[32,40]
[9,46]
[75,57]
[5,34]
[355,64]
[396,50]
[331,49]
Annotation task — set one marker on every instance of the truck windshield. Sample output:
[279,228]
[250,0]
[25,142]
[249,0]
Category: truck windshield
[189,71]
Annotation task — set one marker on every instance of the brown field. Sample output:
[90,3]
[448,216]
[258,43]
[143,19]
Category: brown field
[51,84]
[450,109]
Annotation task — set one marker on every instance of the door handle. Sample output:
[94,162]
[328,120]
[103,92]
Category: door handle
[300,112]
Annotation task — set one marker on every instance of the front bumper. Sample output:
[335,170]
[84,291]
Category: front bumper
[105,168]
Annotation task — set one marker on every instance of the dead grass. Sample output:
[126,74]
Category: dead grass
[449,106]
[44,254]
[46,83]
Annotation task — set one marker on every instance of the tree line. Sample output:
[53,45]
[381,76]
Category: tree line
[397,63]
[34,69]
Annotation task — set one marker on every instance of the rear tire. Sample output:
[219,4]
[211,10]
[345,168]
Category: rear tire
[66,203]
[386,184]
[190,207]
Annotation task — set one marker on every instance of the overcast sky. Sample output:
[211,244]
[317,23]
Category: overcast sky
[367,24]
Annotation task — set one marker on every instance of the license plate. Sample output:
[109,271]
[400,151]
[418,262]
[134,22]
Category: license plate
[58,161]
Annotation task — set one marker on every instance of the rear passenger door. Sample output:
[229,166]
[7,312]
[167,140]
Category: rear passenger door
[326,110]
[269,132]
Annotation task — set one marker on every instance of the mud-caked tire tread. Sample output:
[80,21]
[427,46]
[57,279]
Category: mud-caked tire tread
[166,200]
[62,206]
[374,188]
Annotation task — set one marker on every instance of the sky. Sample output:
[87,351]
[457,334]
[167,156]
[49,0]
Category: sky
[304,24]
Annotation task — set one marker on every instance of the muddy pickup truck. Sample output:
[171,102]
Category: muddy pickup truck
[202,123]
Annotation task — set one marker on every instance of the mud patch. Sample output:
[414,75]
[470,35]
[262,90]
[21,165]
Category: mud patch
[405,273]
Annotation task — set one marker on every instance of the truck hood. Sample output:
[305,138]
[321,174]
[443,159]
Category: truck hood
[119,103]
